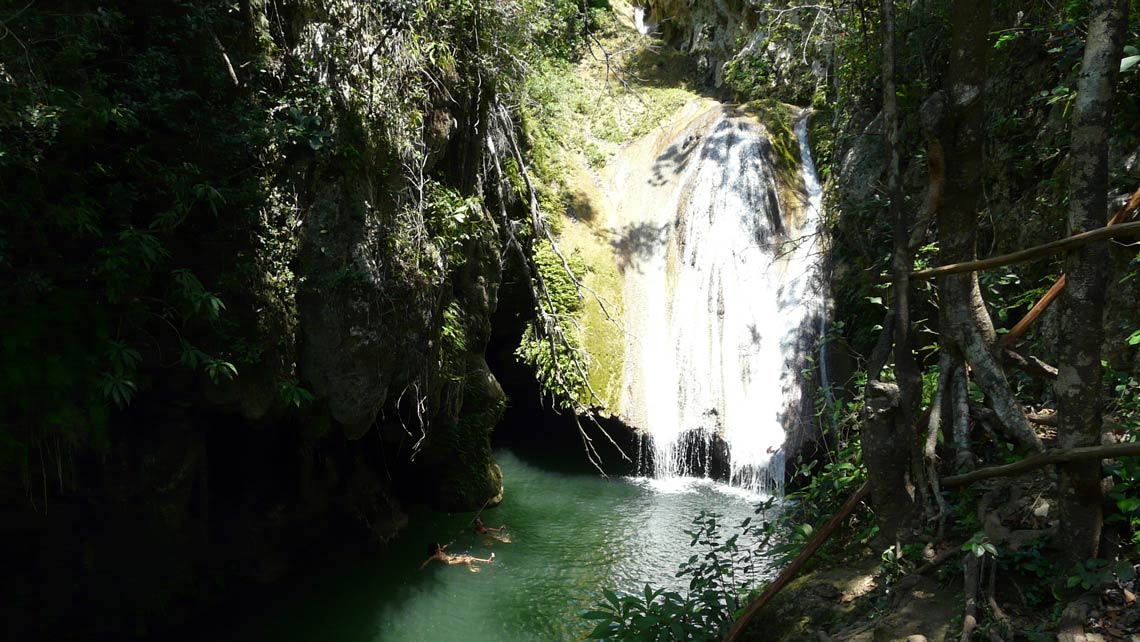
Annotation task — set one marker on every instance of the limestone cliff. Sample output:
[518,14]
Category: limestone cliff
[283,251]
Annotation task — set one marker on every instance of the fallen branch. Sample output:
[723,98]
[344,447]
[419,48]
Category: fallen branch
[939,559]
[226,59]
[817,540]
[1056,456]
[1042,420]
[1035,313]
[1030,365]
[1061,245]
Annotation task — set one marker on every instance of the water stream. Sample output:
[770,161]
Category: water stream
[723,302]
[573,533]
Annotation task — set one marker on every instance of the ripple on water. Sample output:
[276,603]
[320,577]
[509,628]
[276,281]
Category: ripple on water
[573,534]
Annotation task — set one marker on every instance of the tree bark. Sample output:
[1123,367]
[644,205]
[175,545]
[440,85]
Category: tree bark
[902,263]
[1079,403]
[965,321]
[888,455]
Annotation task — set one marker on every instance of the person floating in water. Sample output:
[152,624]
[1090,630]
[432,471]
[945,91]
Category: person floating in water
[499,533]
[438,553]
[483,529]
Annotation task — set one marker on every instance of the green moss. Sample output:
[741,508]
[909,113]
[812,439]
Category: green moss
[555,368]
[821,138]
[453,342]
[470,476]
[779,120]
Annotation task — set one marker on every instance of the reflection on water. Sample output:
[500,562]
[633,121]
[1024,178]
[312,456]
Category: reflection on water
[573,534]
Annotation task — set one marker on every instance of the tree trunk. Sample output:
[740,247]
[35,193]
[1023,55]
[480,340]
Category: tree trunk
[1079,402]
[902,263]
[888,458]
[965,321]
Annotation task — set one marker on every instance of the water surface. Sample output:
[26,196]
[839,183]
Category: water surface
[573,533]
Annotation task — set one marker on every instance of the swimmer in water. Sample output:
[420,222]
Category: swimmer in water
[497,533]
[438,553]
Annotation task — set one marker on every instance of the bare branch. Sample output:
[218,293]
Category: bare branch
[1053,247]
[1056,456]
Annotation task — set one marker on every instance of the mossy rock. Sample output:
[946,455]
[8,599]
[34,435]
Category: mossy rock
[457,468]
[779,119]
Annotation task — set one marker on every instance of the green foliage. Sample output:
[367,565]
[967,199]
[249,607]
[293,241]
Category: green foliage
[826,482]
[979,545]
[1094,573]
[721,578]
[898,562]
[555,353]
[293,394]
[154,207]
[1124,497]
[751,76]
[821,137]
[772,62]
[452,221]
[124,163]
[1031,561]
[453,335]
[1131,57]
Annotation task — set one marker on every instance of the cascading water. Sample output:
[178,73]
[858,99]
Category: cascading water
[639,22]
[723,302]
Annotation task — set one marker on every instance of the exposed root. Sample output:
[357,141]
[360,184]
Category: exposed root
[930,448]
[970,585]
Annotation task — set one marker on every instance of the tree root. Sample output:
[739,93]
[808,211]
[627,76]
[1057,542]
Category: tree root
[970,585]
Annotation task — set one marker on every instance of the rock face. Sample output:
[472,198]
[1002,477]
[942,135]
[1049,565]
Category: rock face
[770,55]
[357,312]
[709,31]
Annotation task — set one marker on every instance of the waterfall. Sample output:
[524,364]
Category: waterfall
[639,22]
[723,300]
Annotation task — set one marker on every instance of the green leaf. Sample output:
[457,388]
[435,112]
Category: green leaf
[1125,571]
[220,371]
[1128,505]
[612,597]
[601,631]
[1128,63]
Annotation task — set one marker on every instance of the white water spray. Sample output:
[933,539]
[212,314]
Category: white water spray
[730,302]
[639,21]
